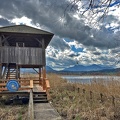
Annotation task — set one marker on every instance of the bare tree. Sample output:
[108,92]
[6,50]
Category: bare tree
[92,7]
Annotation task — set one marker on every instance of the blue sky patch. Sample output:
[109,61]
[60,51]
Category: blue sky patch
[76,49]
[115,3]
[67,40]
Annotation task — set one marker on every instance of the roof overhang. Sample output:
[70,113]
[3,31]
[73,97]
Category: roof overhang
[26,31]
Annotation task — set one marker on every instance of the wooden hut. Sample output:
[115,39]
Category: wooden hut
[23,46]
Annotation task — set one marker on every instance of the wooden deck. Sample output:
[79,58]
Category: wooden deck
[37,88]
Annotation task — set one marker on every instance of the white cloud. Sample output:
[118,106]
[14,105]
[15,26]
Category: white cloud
[22,20]
[99,42]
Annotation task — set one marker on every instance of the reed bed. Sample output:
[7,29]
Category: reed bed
[99,100]
[15,112]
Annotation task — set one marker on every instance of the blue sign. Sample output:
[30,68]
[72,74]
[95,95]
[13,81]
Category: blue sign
[12,85]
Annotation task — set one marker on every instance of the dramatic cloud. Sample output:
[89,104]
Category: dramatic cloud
[4,22]
[76,37]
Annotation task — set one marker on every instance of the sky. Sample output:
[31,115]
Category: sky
[83,39]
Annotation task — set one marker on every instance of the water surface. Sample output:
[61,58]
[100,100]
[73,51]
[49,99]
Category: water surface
[89,79]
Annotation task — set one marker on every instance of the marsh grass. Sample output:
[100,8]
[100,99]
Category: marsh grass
[14,112]
[99,100]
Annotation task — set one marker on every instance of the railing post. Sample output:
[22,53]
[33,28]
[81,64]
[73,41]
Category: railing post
[0,71]
[30,108]
[40,76]
[44,78]
[113,100]
[31,84]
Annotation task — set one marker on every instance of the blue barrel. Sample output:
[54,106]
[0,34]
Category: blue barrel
[12,85]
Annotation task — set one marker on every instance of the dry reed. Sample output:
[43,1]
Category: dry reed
[99,100]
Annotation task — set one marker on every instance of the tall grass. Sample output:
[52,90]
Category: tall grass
[13,112]
[99,100]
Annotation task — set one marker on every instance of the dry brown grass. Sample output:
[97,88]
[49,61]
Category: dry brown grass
[13,112]
[95,101]
[76,101]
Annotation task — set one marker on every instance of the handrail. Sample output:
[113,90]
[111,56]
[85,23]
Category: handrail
[30,108]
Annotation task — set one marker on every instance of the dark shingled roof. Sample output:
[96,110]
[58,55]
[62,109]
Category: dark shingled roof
[24,29]
[23,33]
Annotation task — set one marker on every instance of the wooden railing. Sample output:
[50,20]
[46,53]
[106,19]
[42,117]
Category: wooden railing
[30,107]
[27,84]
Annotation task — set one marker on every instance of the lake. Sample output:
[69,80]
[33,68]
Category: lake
[89,79]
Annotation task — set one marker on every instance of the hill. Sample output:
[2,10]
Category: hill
[82,68]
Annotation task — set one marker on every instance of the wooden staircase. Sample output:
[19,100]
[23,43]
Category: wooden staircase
[40,97]
[11,72]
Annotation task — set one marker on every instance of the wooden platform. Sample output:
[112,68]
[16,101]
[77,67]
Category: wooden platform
[37,88]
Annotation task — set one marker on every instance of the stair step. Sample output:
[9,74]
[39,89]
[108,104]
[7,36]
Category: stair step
[40,101]
[10,78]
[42,93]
[40,98]
[11,75]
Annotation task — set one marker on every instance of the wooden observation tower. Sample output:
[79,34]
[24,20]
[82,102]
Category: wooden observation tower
[22,46]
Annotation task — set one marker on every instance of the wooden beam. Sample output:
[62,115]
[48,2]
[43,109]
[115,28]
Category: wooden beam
[40,75]
[44,78]
[35,70]
[16,71]
[30,107]
[0,41]
[0,70]
[31,84]
[43,52]
[40,43]
[5,38]
[5,69]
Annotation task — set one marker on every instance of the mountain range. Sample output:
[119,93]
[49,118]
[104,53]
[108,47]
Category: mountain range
[76,68]
[82,68]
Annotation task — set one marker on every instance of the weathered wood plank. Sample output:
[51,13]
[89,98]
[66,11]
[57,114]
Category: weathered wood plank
[30,108]
[0,41]
[0,70]
[22,55]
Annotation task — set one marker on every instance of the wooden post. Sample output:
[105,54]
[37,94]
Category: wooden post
[113,101]
[44,78]
[0,70]
[31,84]
[19,72]
[30,108]
[43,53]
[83,91]
[78,89]
[91,94]
[16,71]
[4,71]
[0,61]
[101,97]
[39,75]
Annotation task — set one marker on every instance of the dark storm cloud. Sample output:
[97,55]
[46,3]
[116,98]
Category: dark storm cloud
[116,50]
[59,43]
[109,19]
[96,53]
[73,55]
[51,15]
[4,22]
